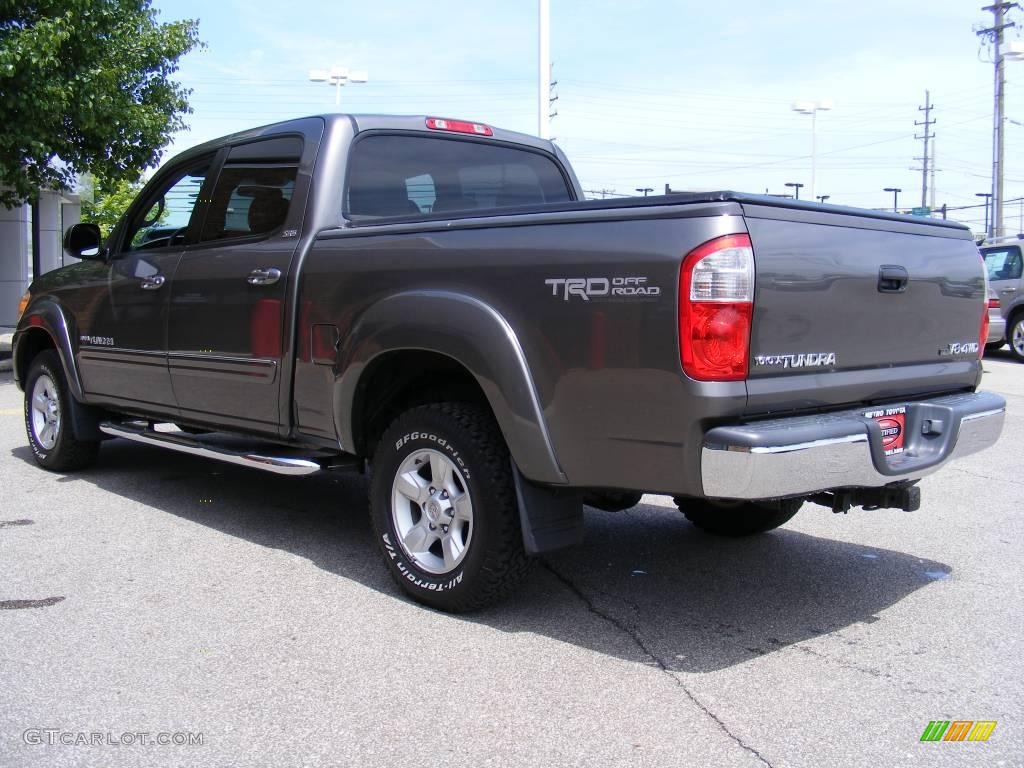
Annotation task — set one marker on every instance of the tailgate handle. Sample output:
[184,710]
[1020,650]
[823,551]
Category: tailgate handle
[892,278]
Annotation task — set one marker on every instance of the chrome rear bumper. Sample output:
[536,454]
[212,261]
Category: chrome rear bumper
[807,454]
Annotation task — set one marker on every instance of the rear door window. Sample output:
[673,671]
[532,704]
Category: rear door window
[254,189]
[1004,263]
[410,175]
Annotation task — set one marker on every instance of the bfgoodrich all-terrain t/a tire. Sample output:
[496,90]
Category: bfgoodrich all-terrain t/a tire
[48,418]
[741,518]
[444,509]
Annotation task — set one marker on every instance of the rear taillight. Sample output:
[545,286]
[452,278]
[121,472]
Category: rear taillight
[716,304]
[984,334]
[993,304]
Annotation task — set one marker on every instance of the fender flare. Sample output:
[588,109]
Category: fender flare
[48,316]
[473,334]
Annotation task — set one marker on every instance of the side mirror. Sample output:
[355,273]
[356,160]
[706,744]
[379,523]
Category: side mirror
[83,241]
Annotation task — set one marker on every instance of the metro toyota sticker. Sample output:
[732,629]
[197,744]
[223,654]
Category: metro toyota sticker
[893,422]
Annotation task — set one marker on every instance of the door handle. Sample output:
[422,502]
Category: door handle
[151,283]
[265,276]
[892,278]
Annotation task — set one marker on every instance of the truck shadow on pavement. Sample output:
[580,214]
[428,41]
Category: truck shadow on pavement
[645,586]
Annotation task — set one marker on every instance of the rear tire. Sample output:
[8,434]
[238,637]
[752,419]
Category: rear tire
[48,418]
[444,509]
[741,518]
[1015,336]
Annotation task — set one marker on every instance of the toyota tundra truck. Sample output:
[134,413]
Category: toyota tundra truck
[433,302]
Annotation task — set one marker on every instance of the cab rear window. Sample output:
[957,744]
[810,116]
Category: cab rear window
[413,175]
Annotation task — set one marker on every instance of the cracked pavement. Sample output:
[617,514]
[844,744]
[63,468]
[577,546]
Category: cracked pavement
[163,593]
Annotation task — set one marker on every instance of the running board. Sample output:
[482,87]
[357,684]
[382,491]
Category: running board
[281,465]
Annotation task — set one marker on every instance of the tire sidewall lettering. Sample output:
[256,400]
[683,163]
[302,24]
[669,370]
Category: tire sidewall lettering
[441,443]
[418,578]
[37,449]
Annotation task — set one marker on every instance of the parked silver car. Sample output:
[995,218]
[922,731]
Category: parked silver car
[1005,267]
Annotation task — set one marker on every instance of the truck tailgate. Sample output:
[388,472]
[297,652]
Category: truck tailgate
[858,308]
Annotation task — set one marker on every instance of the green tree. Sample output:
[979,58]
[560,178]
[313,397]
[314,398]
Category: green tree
[109,200]
[85,86]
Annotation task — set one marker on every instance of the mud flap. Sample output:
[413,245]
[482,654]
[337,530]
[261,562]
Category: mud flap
[551,518]
[85,420]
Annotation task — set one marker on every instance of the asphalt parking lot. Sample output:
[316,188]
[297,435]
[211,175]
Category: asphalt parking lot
[162,594]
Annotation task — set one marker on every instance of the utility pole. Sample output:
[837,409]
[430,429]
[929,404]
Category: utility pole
[544,69]
[552,97]
[994,34]
[931,199]
[927,136]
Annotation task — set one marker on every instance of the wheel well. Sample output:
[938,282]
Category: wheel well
[398,381]
[34,341]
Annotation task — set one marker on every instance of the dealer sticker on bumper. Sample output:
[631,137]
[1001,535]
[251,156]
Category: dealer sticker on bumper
[893,421]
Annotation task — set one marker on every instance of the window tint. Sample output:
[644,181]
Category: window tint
[1004,264]
[249,200]
[167,213]
[402,175]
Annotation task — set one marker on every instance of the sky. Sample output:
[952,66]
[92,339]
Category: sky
[696,95]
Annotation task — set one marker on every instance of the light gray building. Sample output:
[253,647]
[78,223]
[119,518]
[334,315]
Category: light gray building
[31,245]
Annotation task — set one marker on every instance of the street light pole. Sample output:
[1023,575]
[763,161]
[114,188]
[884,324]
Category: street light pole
[645,190]
[822,198]
[796,186]
[812,108]
[988,199]
[895,198]
[337,76]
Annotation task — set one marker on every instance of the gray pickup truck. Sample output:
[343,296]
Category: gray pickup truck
[433,300]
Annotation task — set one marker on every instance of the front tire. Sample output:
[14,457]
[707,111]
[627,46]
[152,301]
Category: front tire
[444,510]
[48,418]
[742,518]
[1015,335]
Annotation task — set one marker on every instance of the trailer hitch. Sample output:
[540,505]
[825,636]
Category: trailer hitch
[905,497]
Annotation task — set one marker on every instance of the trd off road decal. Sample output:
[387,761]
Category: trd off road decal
[893,422]
[590,288]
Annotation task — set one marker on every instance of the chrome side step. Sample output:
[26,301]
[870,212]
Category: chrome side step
[178,441]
